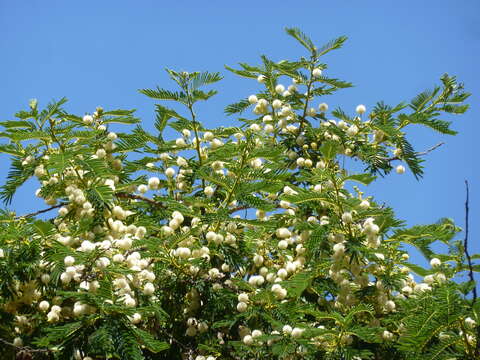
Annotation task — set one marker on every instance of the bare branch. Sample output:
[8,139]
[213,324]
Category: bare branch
[421,153]
[24,348]
[139,197]
[40,211]
[430,150]
[465,246]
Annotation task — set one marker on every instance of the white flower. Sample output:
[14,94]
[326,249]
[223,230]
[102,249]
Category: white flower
[101,153]
[352,130]
[287,329]
[390,305]
[69,260]
[169,172]
[317,72]
[387,335]
[248,340]
[252,99]
[88,119]
[243,297]
[347,217]
[323,107]
[148,288]
[208,136]
[435,262]
[142,189]
[400,169]
[216,143]
[44,305]
[153,183]
[261,79]
[209,191]
[183,252]
[277,104]
[242,307]
[365,204]
[112,136]
[360,109]
[256,333]
[470,322]
[180,142]
[279,89]
[18,342]
[255,127]
[297,332]
[283,233]
[289,191]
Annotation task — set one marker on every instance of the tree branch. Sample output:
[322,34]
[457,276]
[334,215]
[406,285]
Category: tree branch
[24,348]
[430,150]
[465,246]
[139,197]
[41,211]
[421,153]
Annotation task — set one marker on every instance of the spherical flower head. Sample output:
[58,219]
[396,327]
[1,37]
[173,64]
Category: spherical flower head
[170,172]
[148,288]
[252,99]
[261,79]
[311,111]
[387,335]
[279,89]
[112,136]
[287,329]
[283,233]
[153,183]
[242,306]
[360,109]
[256,333]
[88,119]
[101,153]
[209,191]
[44,305]
[347,217]
[297,332]
[400,169]
[339,248]
[183,252]
[317,72]
[323,107]
[255,127]
[435,262]
[352,130]
[469,322]
[248,340]
[365,204]
[69,260]
[243,297]
[390,305]
[277,104]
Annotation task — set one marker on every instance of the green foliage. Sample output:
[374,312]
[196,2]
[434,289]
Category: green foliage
[240,242]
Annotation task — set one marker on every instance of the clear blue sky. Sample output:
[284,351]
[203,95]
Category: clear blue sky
[101,52]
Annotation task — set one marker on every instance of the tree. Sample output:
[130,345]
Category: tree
[247,242]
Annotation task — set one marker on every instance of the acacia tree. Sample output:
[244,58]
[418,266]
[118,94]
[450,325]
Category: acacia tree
[246,242]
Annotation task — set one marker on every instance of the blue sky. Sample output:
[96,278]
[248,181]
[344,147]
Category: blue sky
[101,52]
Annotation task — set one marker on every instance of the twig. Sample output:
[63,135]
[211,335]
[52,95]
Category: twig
[465,246]
[421,153]
[139,197]
[24,348]
[41,211]
[430,150]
